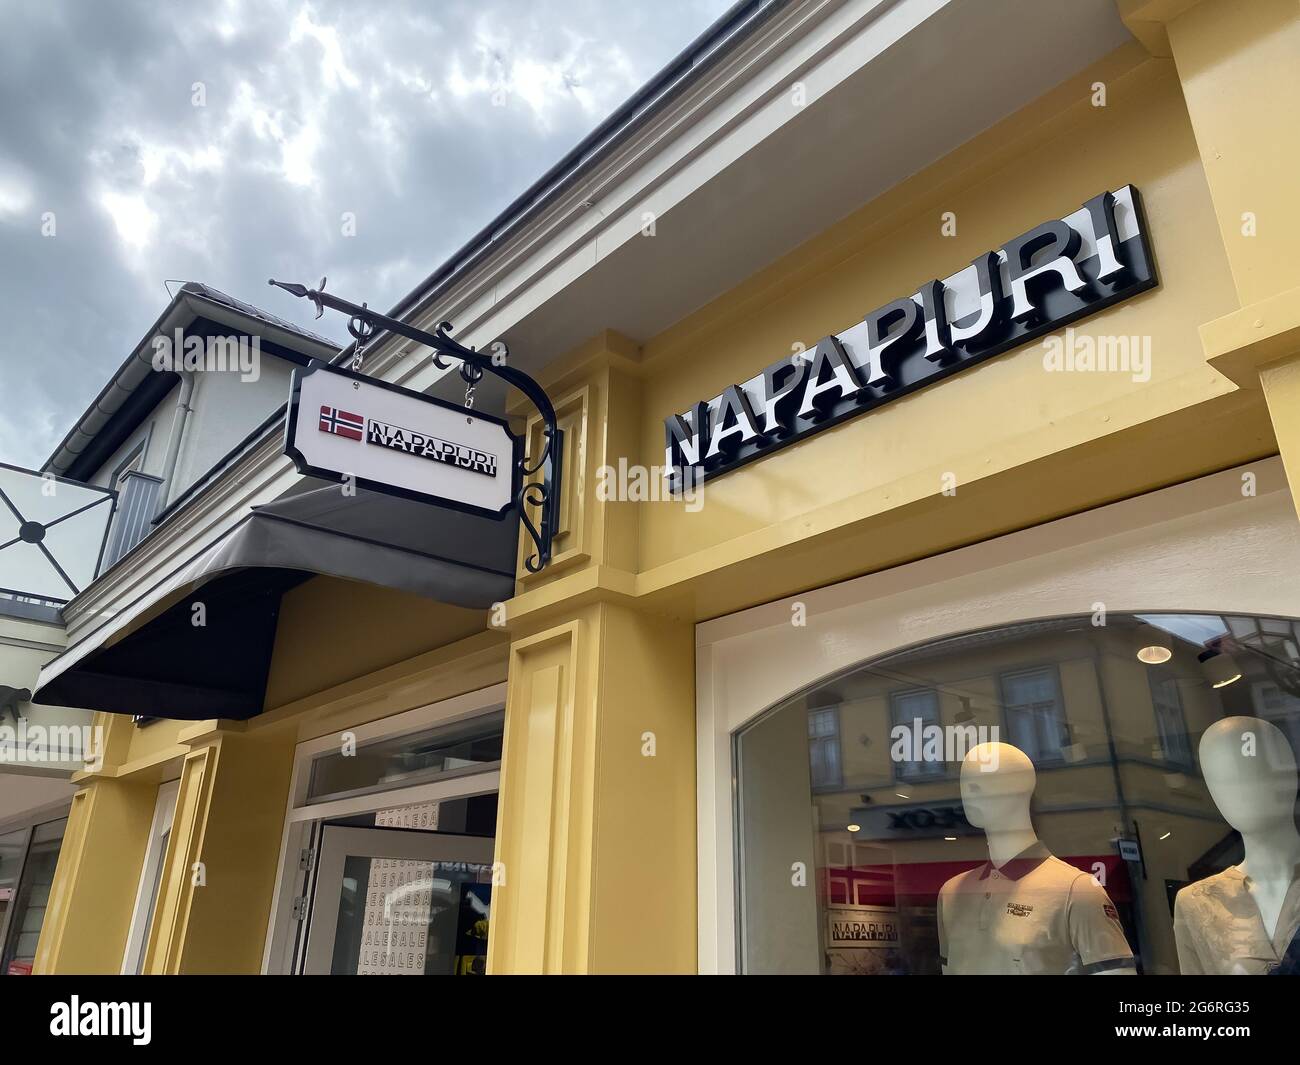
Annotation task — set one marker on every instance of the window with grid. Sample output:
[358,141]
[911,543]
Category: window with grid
[824,746]
[1035,714]
[915,710]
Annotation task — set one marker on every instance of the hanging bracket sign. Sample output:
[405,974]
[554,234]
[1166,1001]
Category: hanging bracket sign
[346,427]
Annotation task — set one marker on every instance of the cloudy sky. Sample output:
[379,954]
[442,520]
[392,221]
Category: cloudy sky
[223,142]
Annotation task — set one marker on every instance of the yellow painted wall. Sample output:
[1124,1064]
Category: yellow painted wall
[235,779]
[332,630]
[1007,416]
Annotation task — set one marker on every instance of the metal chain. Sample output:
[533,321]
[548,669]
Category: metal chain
[359,351]
[361,331]
[472,375]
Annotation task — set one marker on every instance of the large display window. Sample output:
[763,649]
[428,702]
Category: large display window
[1101,794]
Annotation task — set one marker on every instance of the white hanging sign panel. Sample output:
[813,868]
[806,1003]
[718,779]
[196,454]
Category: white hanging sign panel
[349,428]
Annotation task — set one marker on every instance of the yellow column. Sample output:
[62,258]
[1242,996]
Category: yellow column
[214,897]
[89,913]
[596,829]
[1239,64]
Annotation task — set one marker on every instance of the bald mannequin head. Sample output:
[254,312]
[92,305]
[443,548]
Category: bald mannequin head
[997,783]
[1250,770]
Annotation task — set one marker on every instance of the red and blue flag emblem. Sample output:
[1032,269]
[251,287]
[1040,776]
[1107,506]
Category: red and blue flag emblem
[342,423]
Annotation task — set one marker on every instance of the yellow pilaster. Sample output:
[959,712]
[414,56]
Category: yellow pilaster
[596,829]
[89,913]
[218,876]
[1239,65]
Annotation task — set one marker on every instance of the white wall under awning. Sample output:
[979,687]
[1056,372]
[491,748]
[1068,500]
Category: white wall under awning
[25,646]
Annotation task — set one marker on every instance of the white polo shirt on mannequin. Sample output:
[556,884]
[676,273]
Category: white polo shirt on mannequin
[1034,915]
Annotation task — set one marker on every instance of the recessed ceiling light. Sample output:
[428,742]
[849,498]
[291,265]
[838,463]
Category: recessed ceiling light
[950,839]
[855,828]
[1155,655]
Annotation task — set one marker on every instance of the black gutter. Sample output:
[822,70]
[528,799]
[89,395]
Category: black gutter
[698,56]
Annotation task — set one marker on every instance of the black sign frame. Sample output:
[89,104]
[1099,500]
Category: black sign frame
[304,467]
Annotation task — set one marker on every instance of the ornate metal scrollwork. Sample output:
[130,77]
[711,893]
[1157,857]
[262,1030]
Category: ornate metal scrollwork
[363,323]
[533,494]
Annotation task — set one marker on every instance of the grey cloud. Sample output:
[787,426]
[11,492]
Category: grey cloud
[385,110]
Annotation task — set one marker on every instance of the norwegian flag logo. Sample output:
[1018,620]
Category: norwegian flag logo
[341,423]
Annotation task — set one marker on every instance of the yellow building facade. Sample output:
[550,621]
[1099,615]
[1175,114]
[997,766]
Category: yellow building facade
[608,852]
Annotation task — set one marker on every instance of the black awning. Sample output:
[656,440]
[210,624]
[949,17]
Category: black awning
[154,659]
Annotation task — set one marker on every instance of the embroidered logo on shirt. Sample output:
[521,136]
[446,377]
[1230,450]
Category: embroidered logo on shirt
[1110,911]
[1019,909]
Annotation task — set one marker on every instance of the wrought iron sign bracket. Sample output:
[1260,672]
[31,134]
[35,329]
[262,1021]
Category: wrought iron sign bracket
[544,494]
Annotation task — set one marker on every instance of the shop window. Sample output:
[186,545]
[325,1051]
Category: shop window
[824,747]
[959,852]
[447,751]
[27,910]
[1035,714]
[915,711]
[13,845]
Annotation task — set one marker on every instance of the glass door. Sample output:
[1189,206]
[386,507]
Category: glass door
[395,902]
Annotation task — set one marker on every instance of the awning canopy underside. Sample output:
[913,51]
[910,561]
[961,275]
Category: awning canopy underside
[199,644]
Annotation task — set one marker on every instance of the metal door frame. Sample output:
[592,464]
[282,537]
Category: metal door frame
[339,842]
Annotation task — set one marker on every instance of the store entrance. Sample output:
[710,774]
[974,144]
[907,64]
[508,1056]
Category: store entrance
[399,902]
[387,860]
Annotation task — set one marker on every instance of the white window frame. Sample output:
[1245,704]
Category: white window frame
[164,813]
[1034,713]
[1197,547]
[832,740]
[924,771]
[1165,736]
[281,930]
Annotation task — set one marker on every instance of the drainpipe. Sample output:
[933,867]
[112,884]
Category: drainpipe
[188,379]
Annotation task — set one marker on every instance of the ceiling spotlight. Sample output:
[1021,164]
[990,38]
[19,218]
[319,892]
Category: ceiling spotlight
[1220,670]
[1155,655]
[855,828]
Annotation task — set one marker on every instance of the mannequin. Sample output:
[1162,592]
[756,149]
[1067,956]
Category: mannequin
[1241,921]
[1024,911]
[997,784]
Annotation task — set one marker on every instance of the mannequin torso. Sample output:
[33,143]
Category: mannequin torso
[1026,912]
[1242,919]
